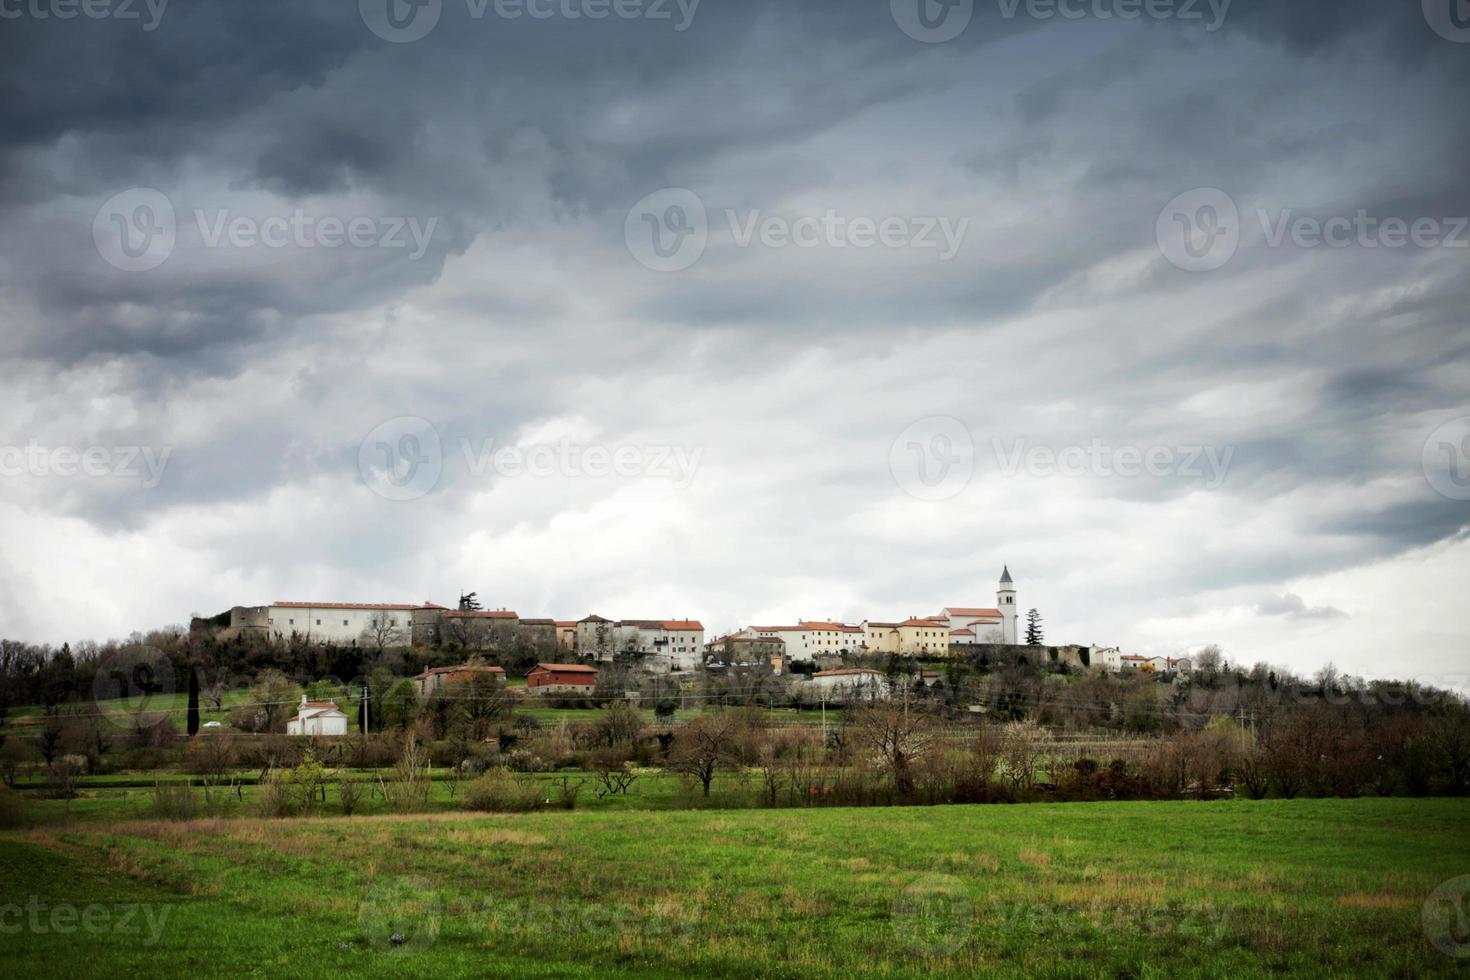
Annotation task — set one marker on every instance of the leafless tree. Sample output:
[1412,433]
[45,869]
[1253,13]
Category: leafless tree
[705,745]
[898,737]
[1023,747]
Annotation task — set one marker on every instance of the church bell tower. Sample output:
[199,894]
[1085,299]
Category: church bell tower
[1005,601]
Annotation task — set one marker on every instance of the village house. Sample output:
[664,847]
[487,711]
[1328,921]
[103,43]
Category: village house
[857,683]
[665,645]
[566,634]
[561,679]
[746,651]
[808,640]
[317,718]
[435,679]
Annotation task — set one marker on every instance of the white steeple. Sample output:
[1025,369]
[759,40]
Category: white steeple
[1005,601]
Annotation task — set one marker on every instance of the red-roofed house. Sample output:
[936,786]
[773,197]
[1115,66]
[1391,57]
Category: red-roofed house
[317,718]
[435,678]
[561,679]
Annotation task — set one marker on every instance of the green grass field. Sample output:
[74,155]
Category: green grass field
[1305,887]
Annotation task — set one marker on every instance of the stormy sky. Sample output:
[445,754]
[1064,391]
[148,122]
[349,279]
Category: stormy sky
[744,311]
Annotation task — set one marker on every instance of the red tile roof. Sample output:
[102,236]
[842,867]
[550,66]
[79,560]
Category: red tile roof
[354,605]
[432,671]
[481,614]
[961,611]
[583,668]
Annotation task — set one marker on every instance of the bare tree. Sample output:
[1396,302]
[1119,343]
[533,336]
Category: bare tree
[898,737]
[385,632]
[1024,745]
[705,745]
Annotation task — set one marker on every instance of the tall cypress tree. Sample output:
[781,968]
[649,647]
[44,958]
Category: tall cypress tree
[193,722]
[1033,629]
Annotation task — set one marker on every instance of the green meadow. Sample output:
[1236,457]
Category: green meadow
[1150,889]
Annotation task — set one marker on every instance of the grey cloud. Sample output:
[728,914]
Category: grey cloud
[1294,606]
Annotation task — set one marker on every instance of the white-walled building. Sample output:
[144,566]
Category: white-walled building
[849,682]
[675,644]
[342,622]
[671,644]
[806,640]
[317,718]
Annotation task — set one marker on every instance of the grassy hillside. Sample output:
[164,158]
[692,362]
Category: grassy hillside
[1308,887]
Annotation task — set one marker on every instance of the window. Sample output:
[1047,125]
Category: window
[318,622]
[344,622]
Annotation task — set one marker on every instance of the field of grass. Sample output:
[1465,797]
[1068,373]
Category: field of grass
[1303,887]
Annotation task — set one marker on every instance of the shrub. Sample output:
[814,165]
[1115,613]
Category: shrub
[174,801]
[14,813]
[275,798]
[350,793]
[500,791]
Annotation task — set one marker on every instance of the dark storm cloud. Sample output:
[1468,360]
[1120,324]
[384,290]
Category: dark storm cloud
[529,140]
